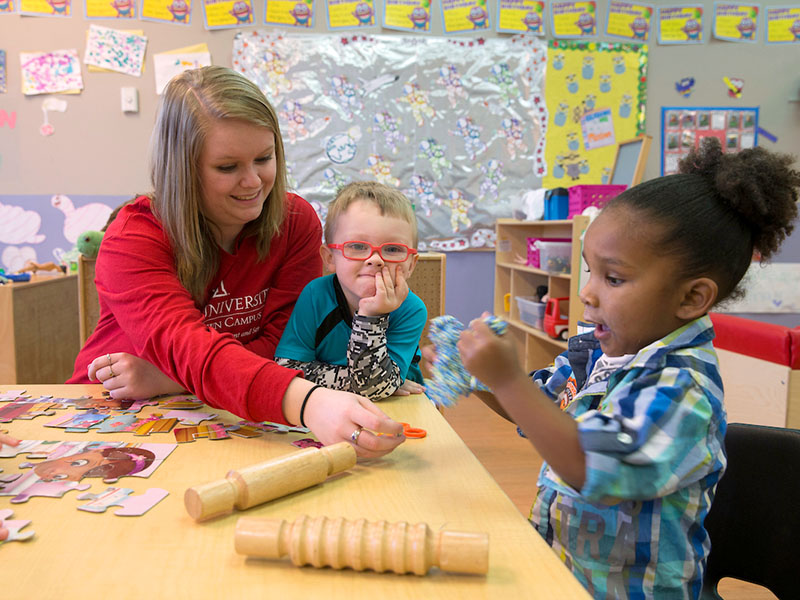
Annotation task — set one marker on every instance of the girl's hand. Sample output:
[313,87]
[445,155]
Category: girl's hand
[389,294]
[335,416]
[409,387]
[489,357]
[127,376]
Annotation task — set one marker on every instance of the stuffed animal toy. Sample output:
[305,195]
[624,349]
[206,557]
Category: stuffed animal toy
[450,379]
[88,243]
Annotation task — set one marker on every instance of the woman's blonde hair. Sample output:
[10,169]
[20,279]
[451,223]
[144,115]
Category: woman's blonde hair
[191,102]
[390,201]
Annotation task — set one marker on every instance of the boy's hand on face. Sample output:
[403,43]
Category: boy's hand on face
[389,294]
[490,357]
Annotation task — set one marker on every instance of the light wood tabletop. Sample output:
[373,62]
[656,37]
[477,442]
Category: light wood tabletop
[166,554]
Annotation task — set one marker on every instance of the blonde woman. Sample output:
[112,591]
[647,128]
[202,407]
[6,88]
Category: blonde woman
[197,280]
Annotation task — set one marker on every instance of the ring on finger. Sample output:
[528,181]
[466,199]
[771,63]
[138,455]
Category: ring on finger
[355,434]
[111,371]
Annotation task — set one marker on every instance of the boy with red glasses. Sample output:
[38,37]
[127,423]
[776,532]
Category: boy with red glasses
[358,329]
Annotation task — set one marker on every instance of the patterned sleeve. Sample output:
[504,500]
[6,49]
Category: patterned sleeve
[652,434]
[370,371]
[553,379]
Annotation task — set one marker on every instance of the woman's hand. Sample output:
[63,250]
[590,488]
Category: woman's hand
[127,376]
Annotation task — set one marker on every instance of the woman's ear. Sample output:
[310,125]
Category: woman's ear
[327,260]
[699,296]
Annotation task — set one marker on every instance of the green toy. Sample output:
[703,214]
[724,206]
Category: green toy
[88,243]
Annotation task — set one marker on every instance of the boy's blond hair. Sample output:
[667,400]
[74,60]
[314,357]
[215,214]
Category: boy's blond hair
[391,202]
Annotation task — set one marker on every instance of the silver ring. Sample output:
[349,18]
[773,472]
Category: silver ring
[355,434]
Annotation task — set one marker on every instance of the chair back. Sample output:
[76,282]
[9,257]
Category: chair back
[88,303]
[754,521]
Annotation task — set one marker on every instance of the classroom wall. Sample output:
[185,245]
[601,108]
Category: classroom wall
[98,154]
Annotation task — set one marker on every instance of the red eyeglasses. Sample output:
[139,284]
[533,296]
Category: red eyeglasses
[390,251]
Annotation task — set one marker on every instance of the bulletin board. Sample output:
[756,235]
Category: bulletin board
[683,127]
[596,94]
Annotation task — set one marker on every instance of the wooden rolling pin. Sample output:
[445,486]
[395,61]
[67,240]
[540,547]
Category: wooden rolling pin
[380,546]
[256,484]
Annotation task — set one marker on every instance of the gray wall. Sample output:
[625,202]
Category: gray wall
[99,150]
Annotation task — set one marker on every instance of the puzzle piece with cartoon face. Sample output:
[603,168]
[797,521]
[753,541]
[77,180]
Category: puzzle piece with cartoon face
[30,485]
[186,417]
[131,506]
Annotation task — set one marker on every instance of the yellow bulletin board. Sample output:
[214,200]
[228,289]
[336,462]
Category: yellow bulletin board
[595,93]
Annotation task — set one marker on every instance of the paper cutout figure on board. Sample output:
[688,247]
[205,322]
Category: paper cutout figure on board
[92,216]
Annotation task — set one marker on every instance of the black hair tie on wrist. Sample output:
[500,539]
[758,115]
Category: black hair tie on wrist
[305,401]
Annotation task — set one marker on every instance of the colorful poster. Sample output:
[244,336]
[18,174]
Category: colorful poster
[459,16]
[110,9]
[783,25]
[520,16]
[45,8]
[407,15]
[167,11]
[53,72]
[629,20]
[573,19]
[735,22]
[682,128]
[587,83]
[9,7]
[289,13]
[3,72]
[680,24]
[115,50]
[169,64]
[227,14]
[347,14]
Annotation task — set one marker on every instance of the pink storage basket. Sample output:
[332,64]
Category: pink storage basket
[583,196]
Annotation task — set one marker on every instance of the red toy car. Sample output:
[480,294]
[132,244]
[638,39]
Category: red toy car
[556,318]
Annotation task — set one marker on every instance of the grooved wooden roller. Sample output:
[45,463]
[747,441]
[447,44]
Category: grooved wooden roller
[256,484]
[360,545]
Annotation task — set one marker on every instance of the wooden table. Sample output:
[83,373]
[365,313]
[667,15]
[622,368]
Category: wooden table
[39,329]
[165,554]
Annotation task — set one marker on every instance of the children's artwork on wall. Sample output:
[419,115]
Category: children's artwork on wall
[45,228]
[459,16]
[783,25]
[45,8]
[680,24]
[177,12]
[288,13]
[456,125]
[2,73]
[115,50]
[405,15]
[521,16]
[629,20]
[596,93]
[58,71]
[683,127]
[227,14]
[111,9]
[573,19]
[771,288]
[9,7]
[736,22]
[168,64]
[349,14]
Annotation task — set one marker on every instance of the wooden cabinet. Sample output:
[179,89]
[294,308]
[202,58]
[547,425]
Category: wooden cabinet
[514,278]
[39,329]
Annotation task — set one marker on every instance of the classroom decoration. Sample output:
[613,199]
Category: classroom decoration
[459,16]
[289,13]
[596,93]
[349,14]
[361,545]
[736,22]
[111,9]
[573,19]
[680,24]
[783,25]
[629,20]
[683,127]
[176,12]
[521,16]
[407,15]
[450,379]
[770,288]
[58,71]
[171,63]
[115,50]
[227,14]
[8,7]
[456,125]
[2,75]
[45,8]
[249,486]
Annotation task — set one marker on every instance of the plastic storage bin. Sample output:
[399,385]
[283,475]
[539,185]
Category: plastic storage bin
[556,204]
[583,196]
[555,257]
[531,312]
[533,255]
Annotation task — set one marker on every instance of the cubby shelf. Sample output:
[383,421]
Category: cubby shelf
[515,278]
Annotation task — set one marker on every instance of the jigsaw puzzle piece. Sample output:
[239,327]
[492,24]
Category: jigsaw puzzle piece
[25,410]
[212,431]
[245,431]
[138,405]
[14,526]
[307,443]
[156,426]
[132,506]
[30,485]
[12,395]
[101,403]
[115,424]
[182,403]
[186,417]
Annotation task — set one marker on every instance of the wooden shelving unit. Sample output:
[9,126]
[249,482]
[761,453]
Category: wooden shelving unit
[513,277]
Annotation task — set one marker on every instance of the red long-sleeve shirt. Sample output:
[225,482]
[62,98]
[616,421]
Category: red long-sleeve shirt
[222,352]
